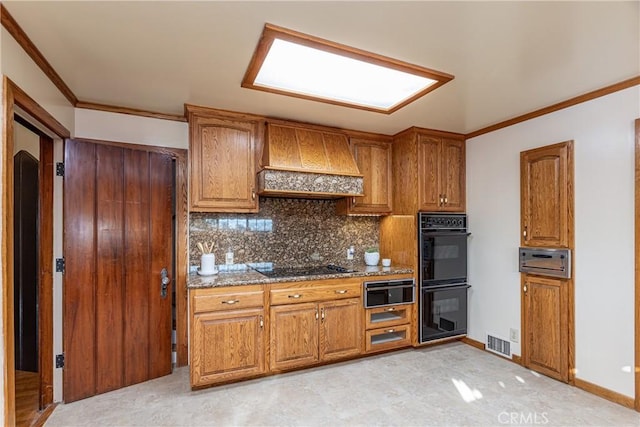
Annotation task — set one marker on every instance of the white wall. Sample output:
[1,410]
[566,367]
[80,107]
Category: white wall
[17,65]
[603,134]
[133,129]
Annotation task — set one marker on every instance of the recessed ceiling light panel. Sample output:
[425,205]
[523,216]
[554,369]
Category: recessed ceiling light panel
[304,66]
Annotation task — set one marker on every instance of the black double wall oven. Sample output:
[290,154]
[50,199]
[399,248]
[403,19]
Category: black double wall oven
[442,252]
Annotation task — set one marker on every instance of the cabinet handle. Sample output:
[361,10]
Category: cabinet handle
[261,322]
[353,200]
[441,199]
[389,331]
[231,301]
[253,194]
[445,199]
[390,309]
[341,292]
[525,289]
[524,233]
[322,314]
[295,296]
[316,314]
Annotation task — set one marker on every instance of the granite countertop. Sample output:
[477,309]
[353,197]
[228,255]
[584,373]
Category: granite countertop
[241,274]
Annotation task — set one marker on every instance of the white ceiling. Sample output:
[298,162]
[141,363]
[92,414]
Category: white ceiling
[508,58]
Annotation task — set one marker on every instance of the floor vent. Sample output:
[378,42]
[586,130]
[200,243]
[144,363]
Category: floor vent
[498,346]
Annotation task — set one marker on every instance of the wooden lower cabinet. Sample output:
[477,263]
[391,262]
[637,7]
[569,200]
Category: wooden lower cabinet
[546,325]
[227,346]
[227,334]
[294,335]
[308,333]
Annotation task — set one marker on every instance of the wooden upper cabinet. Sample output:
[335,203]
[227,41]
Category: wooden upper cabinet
[373,158]
[546,192]
[428,172]
[222,152]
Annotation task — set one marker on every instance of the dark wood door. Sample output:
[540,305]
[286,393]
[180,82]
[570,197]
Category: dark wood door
[117,240]
[25,229]
[546,318]
[546,176]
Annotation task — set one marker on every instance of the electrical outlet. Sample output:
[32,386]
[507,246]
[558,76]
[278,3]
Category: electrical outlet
[513,335]
[351,252]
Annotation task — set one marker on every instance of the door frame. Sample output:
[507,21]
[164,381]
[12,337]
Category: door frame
[14,96]
[637,265]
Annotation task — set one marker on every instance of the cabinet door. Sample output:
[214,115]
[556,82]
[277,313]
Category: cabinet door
[340,329]
[223,175]
[294,335]
[546,180]
[227,345]
[374,162]
[430,195]
[452,175]
[545,311]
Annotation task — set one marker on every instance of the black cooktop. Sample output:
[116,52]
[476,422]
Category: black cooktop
[315,270]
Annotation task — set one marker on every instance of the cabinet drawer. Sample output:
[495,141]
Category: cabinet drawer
[226,299]
[315,293]
[384,317]
[388,338]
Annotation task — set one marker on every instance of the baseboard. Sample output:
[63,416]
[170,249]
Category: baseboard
[605,393]
[473,343]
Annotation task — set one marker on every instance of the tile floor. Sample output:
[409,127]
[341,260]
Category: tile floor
[447,385]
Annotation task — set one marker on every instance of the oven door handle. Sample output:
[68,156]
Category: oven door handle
[453,232]
[449,285]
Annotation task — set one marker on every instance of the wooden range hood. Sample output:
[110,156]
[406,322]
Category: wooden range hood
[307,162]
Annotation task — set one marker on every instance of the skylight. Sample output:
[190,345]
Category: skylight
[295,64]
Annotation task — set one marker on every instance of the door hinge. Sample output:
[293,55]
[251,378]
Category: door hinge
[59,169]
[60,264]
[60,360]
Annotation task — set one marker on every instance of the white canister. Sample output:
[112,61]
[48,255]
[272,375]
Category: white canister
[207,263]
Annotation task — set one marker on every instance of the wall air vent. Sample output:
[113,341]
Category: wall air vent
[498,346]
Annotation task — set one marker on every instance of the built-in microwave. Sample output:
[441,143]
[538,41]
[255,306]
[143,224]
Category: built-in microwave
[389,292]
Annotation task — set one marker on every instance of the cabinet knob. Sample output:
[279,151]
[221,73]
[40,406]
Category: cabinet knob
[389,331]
[341,292]
[525,289]
[295,296]
[253,194]
[261,322]
[446,200]
[231,301]
[390,309]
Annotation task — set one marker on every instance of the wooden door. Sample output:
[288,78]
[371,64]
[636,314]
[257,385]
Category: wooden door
[227,345]
[117,239]
[546,180]
[294,335]
[340,329]
[452,175]
[26,268]
[546,326]
[429,191]
[222,155]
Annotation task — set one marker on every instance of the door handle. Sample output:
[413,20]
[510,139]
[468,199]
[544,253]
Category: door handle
[164,282]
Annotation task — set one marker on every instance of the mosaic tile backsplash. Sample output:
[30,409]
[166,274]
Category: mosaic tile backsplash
[292,232]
